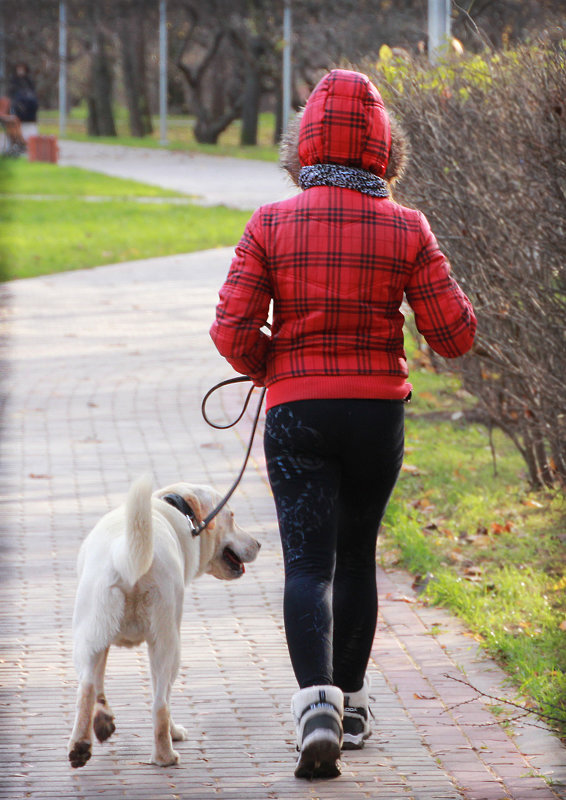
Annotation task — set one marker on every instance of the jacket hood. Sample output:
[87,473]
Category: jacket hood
[345,122]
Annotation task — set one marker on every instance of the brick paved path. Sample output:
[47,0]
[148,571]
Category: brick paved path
[107,368]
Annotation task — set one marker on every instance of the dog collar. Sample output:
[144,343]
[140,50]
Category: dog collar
[181,505]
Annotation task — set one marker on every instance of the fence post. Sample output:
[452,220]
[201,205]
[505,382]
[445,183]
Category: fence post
[286,93]
[62,68]
[3,87]
[438,28]
[163,70]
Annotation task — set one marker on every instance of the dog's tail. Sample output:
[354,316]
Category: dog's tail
[135,556]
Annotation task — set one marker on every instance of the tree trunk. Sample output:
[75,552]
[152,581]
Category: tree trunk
[100,114]
[208,130]
[132,47]
[252,95]
[209,125]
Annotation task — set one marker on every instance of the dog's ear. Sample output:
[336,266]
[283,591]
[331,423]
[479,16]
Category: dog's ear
[202,504]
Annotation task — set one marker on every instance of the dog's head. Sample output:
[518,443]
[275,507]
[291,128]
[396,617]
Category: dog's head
[224,547]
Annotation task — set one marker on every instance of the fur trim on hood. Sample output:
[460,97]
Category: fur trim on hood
[391,167]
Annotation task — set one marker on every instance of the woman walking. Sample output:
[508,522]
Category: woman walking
[336,261]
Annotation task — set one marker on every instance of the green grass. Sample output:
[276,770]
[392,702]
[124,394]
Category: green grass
[180,135]
[493,552]
[36,178]
[83,219]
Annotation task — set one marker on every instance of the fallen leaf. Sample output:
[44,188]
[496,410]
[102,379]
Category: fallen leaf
[473,574]
[532,503]
[400,598]
[422,502]
[562,625]
[411,469]
[432,526]
[418,696]
[39,477]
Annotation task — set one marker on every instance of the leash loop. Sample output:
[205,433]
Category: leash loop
[240,379]
[198,529]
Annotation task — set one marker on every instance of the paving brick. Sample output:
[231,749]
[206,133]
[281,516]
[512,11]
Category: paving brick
[107,370]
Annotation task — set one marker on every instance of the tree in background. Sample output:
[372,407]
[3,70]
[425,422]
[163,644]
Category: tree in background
[132,20]
[225,55]
[101,78]
[202,37]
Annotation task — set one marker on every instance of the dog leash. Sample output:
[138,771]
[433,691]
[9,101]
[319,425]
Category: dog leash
[198,529]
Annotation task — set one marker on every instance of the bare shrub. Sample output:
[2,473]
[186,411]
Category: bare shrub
[488,168]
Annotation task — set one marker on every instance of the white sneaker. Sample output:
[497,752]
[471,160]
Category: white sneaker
[317,711]
[355,722]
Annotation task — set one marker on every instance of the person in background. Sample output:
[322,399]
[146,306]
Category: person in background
[23,99]
[336,261]
[13,142]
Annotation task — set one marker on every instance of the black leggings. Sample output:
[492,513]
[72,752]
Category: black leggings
[332,466]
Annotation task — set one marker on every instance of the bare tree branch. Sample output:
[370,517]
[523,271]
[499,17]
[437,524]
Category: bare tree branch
[503,700]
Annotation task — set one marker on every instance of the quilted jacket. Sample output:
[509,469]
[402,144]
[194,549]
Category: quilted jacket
[336,263]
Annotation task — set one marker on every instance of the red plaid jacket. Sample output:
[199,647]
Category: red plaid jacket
[336,264]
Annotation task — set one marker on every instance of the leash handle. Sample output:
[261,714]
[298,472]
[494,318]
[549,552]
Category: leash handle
[202,525]
[239,379]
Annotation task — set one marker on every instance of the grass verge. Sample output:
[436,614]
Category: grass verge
[64,218]
[180,135]
[463,521]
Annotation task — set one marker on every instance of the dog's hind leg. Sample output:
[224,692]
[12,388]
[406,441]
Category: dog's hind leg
[103,722]
[80,743]
[164,663]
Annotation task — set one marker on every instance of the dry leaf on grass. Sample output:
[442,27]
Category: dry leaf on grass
[411,469]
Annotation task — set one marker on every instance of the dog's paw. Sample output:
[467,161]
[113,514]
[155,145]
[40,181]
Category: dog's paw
[178,733]
[80,753]
[103,724]
[167,759]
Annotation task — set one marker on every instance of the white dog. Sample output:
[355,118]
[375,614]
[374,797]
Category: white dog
[133,569]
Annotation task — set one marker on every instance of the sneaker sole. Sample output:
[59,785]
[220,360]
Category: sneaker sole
[355,742]
[319,758]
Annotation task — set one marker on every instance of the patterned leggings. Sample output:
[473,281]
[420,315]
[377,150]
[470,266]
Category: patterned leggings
[332,466]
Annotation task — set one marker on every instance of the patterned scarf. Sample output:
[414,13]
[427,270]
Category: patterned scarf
[345,177]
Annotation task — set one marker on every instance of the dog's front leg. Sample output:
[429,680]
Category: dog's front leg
[163,753]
